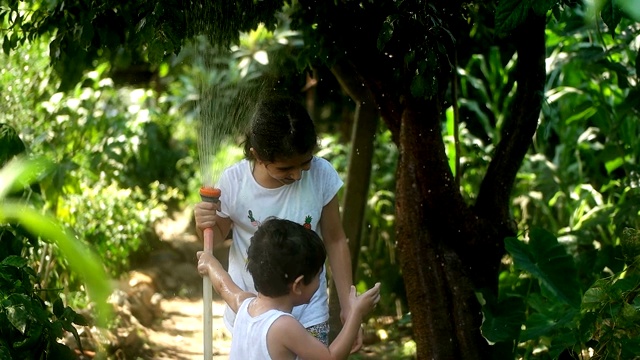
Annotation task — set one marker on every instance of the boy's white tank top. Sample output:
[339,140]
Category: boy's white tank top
[249,337]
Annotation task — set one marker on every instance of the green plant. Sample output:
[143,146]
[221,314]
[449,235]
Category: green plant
[30,328]
[544,307]
[32,318]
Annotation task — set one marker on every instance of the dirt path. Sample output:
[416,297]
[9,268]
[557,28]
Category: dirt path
[179,333]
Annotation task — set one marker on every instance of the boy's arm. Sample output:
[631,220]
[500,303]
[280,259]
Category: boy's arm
[231,293]
[360,306]
[289,334]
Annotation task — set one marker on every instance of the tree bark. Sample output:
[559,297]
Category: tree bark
[444,310]
[449,250]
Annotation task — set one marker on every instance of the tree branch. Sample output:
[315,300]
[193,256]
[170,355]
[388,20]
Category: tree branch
[522,122]
[352,80]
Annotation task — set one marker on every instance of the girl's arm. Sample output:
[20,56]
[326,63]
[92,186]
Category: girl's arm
[339,256]
[231,293]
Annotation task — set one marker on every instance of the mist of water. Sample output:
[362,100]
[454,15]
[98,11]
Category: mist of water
[224,105]
[223,118]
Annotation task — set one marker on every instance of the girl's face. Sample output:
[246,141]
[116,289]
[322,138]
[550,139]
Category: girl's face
[289,170]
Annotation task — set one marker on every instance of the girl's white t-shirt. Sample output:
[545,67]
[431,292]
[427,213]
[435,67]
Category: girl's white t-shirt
[247,204]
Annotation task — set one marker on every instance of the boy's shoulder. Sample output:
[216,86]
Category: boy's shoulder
[283,332]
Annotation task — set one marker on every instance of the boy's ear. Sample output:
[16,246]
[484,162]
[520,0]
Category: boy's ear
[296,286]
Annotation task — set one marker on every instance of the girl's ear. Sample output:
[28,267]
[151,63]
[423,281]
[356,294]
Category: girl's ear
[255,155]
[296,286]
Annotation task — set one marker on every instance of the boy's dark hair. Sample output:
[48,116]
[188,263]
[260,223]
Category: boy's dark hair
[280,128]
[280,251]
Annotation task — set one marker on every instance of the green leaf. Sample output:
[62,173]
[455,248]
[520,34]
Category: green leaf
[596,296]
[630,347]
[630,243]
[10,143]
[631,8]
[510,14]
[17,174]
[80,320]
[156,52]
[542,6]
[17,316]
[33,336]
[6,45]
[386,33]
[60,351]
[502,321]
[611,15]
[561,341]
[537,325]
[5,354]
[80,258]
[58,307]
[418,86]
[547,261]
[15,261]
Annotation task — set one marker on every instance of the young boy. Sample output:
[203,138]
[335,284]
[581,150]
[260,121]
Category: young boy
[285,260]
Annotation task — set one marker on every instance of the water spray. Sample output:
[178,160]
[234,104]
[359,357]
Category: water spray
[223,107]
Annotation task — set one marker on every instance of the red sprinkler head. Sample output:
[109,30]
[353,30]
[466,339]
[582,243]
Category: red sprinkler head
[209,194]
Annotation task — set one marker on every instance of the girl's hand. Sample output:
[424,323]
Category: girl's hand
[205,214]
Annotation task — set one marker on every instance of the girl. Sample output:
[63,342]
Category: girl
[280,177]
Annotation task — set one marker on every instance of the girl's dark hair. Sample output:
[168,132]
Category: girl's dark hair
[280,251]
[280,128]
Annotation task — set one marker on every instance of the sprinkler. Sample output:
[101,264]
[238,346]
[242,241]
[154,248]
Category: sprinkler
[208,194]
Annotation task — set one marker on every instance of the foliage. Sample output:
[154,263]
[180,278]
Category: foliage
[32,318]
[119,166]
[29,327]
[580,181]
[544,296]
[124,34]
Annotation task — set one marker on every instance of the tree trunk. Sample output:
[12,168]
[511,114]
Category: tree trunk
[449,249]
[444,310]
[358,178]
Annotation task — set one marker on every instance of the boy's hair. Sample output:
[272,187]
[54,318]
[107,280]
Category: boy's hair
[280,251]
[280,128]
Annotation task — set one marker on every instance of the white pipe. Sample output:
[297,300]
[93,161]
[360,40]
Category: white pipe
[207,299]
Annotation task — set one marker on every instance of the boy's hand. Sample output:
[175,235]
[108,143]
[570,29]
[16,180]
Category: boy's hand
[365,302]
[205,262]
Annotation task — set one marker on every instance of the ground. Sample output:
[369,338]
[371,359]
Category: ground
[158,304]
[180,334]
